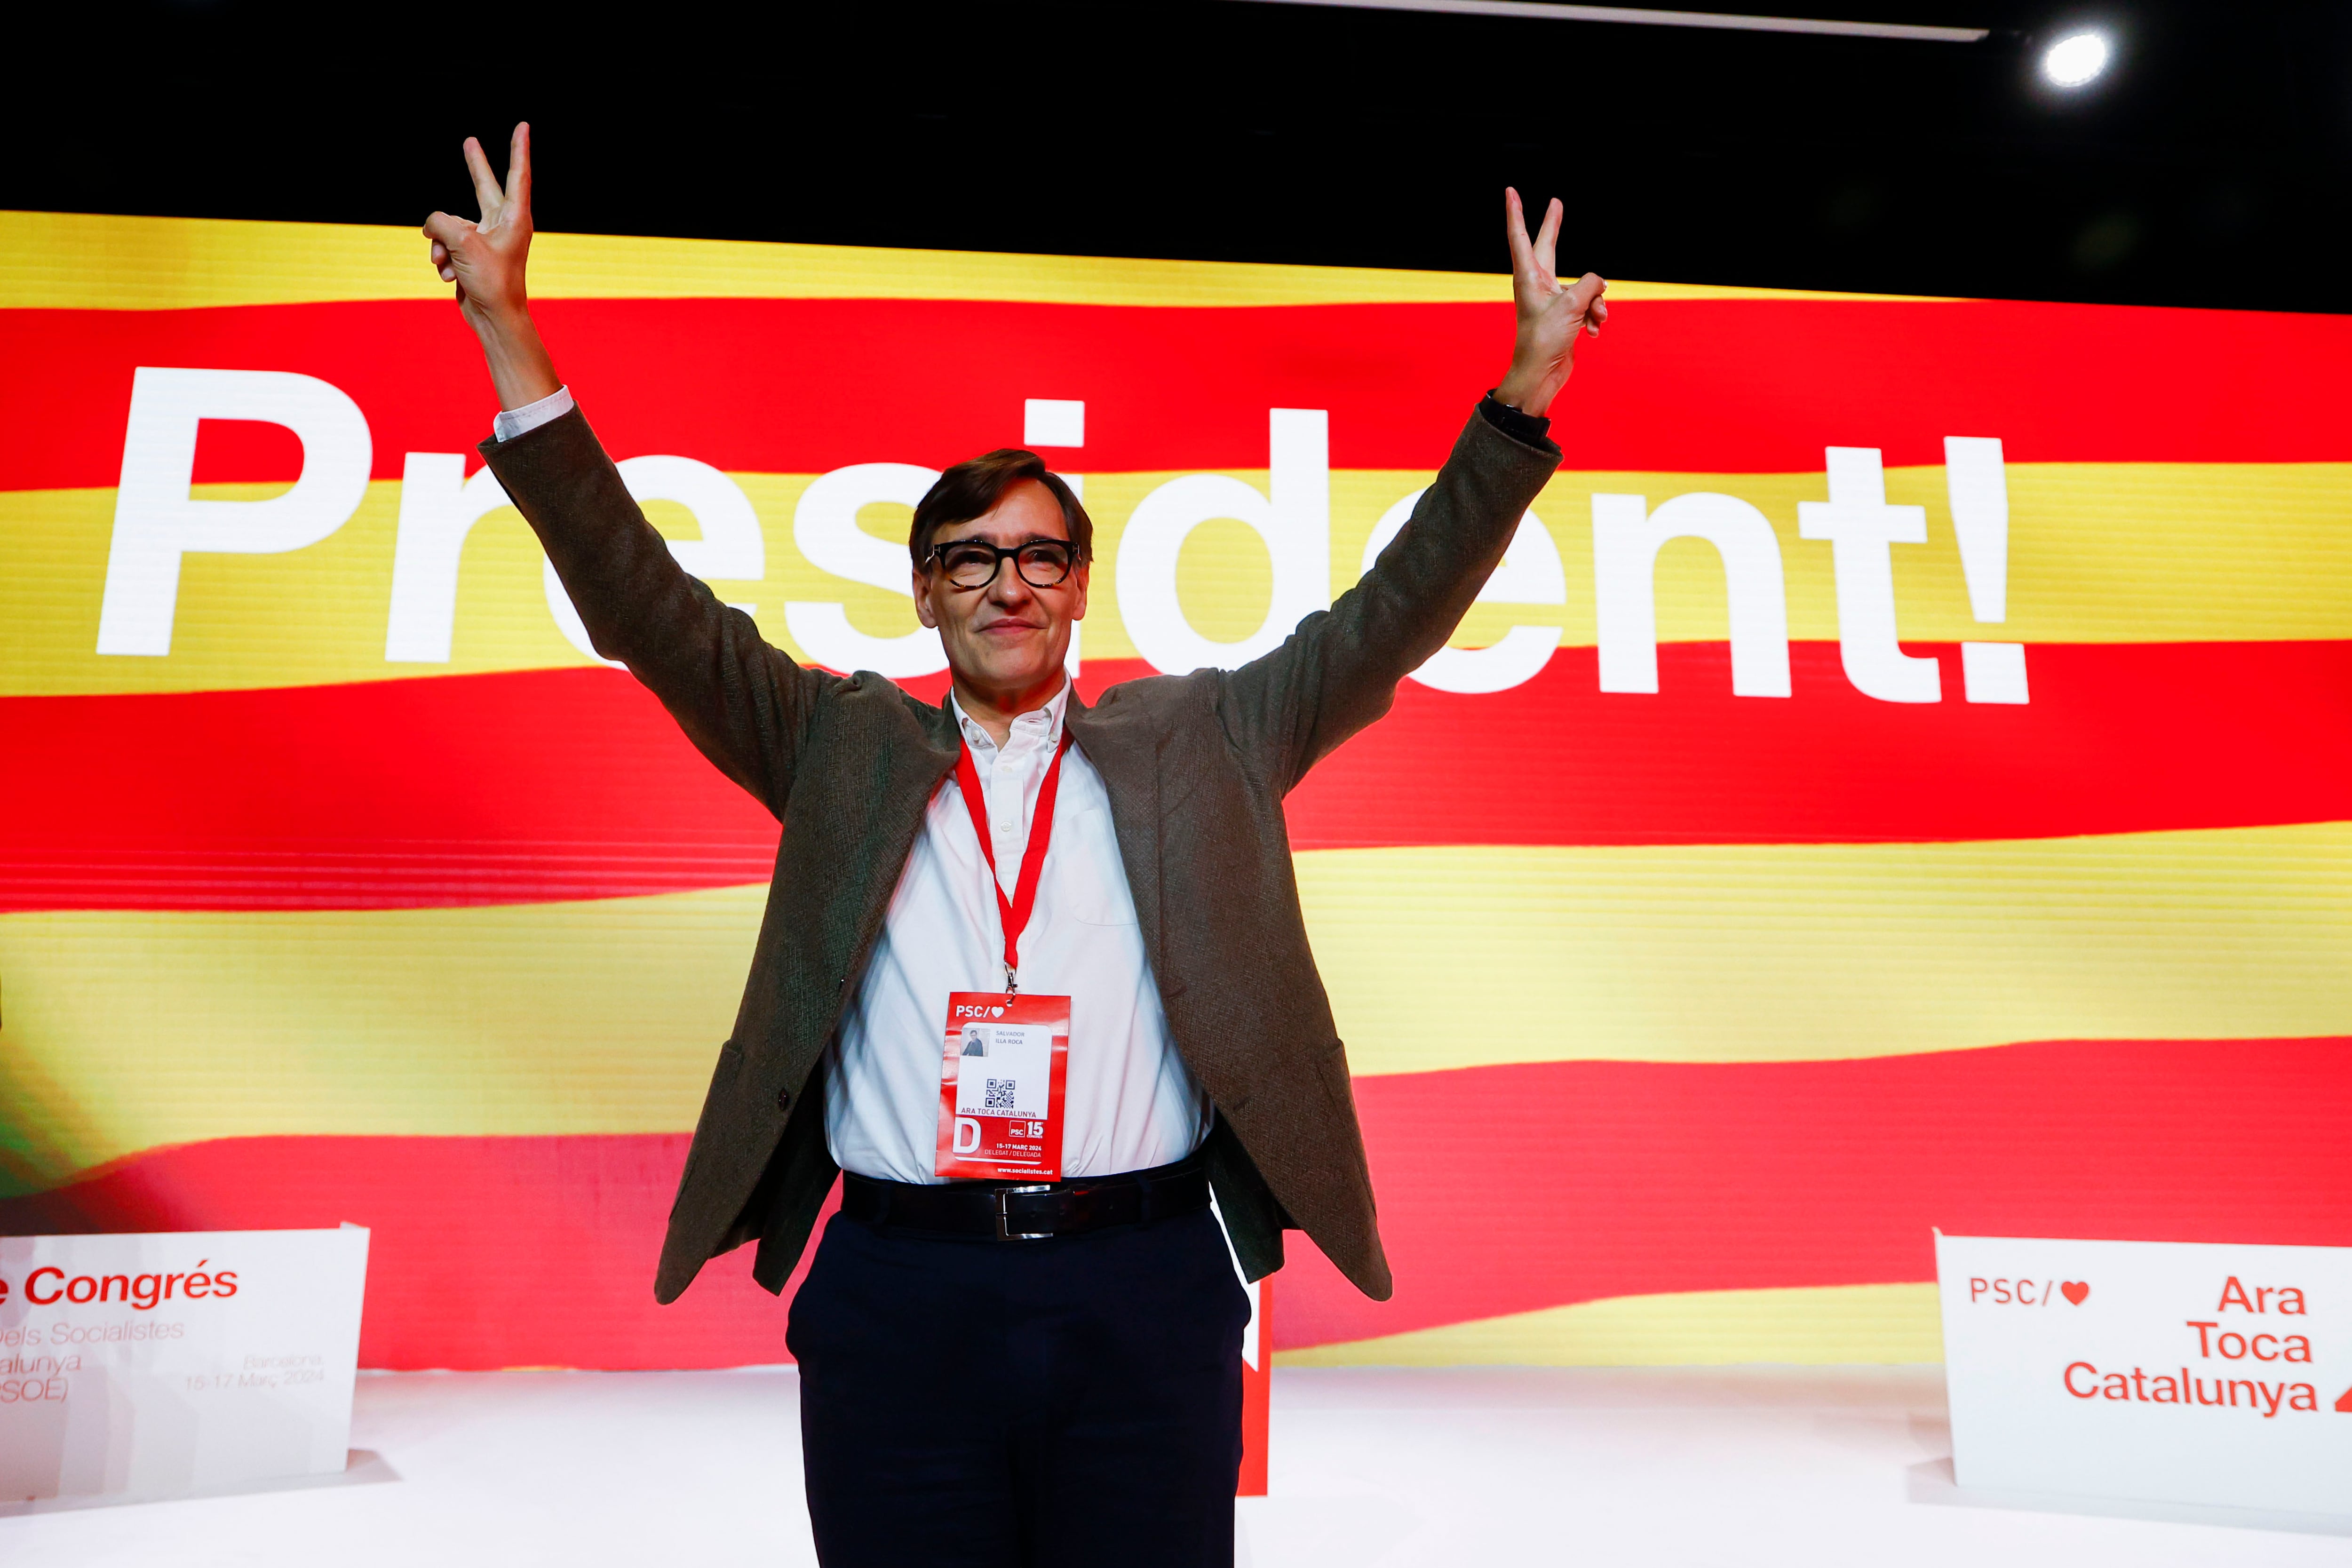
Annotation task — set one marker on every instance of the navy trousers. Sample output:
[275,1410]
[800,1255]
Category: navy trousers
[1071,1403]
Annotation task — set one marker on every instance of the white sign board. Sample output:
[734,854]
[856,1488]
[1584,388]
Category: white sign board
[147,1367]
[2174,1372]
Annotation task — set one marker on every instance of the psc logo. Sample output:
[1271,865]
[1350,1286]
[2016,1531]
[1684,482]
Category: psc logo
[2028,1292]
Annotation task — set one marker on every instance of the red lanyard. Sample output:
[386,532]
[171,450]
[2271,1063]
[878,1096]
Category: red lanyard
[1014,912]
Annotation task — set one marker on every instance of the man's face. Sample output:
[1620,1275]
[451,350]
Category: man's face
[1009,637]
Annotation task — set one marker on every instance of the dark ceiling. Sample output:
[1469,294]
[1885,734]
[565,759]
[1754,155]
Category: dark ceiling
[2208,168]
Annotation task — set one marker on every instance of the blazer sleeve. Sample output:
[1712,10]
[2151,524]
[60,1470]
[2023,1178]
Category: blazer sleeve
[1339,671]
[742,702]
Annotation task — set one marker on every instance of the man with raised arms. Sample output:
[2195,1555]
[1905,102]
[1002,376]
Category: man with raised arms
[1032,975]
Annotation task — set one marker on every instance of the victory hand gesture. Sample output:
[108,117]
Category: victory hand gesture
[1552,316]
[485,260]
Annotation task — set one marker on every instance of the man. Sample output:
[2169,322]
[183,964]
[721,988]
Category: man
[1033,974]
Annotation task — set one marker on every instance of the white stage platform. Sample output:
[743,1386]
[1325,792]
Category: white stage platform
[1745,1466]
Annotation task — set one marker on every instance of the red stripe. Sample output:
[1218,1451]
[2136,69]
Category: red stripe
[1512,1188]
[452,791]
[1502,1189]
[805,385]
[2119,737]
[554,784]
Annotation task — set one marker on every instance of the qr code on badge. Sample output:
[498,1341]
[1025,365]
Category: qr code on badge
[1000,1094]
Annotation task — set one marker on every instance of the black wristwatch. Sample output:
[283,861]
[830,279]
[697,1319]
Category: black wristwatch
[1516,423]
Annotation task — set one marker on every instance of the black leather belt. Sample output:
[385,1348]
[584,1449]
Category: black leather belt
[1007,1212]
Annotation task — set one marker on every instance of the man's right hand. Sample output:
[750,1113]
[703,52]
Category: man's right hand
[486,260]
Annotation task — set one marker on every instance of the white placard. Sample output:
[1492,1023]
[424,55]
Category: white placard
[161,1366]
[2173,1372]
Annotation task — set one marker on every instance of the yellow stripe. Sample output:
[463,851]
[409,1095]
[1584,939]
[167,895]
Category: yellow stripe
[2100,553]
[1812,1327]
[127,1029]
[78,261]
[1460,957]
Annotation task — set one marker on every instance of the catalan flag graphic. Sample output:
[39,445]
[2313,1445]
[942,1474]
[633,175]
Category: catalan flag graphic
[1900,777]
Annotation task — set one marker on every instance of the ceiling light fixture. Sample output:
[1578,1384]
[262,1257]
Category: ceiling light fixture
[2077,59]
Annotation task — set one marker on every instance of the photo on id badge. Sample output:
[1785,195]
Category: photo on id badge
[1001,1080]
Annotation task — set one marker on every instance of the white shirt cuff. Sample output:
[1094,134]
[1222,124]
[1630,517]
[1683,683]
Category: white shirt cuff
[513,422]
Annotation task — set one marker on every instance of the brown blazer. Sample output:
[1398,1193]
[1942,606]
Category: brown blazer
[1196,766]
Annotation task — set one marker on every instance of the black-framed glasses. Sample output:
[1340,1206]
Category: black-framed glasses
[974,563]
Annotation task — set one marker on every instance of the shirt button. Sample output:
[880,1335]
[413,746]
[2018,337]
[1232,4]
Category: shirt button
[783,1100]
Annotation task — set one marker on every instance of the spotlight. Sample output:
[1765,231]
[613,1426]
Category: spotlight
[2076,60]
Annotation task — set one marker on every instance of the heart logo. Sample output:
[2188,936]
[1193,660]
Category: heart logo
[2074,1291]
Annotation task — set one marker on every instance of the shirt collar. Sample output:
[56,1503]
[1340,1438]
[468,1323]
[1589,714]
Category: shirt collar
[1047,720]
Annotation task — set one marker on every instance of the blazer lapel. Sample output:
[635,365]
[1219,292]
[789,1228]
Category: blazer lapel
[1126,754]
[894,800]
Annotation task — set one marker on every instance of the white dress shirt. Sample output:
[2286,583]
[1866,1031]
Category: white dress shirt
[512,422]
[1129,1102]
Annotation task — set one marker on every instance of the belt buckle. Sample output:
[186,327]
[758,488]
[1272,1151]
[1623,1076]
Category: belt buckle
[1004,1231]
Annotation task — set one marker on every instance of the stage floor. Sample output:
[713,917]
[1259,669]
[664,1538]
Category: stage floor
[1743,1465]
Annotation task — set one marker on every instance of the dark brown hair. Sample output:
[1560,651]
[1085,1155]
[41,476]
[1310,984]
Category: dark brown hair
[973,486]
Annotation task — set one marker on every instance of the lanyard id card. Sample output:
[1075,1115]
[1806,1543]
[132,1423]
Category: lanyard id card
[1006,1054]
[1001,1087]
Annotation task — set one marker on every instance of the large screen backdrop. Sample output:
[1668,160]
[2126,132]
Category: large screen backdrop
[1900,776]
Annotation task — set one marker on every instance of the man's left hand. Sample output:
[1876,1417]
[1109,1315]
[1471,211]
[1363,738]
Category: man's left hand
[1552,315]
